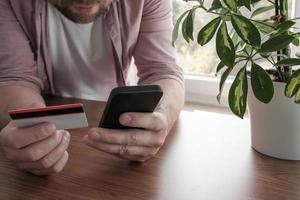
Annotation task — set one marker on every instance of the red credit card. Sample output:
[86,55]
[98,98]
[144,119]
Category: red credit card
[69,116]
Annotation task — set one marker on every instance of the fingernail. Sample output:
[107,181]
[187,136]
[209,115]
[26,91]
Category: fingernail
[66,135]
[125,119]
[94,136]
[60,133]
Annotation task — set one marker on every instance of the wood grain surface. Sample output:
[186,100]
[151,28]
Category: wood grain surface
[206,156]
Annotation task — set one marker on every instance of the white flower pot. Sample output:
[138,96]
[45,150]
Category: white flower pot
[275,127]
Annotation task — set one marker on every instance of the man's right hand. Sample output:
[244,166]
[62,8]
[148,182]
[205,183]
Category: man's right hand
[41,149]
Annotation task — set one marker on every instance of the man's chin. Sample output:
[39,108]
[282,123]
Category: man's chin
[80,18]
[83,19]
[81,11]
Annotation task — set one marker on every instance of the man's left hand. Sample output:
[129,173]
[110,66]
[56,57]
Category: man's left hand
[142,142]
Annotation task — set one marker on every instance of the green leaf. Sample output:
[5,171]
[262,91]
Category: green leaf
[232,4]
[208,31]
[296,42]
[293,84]
[297,97]
[264,26]
[284,26]
[235,39]
[222,81]
[238,94]
[188,26]
[241,3]
[288,62]
[242,43]
[184,31]
[262,84]
[261,10]
[265,54]
[176,27]
[276,43]
[220,67]
[248,49]
[225,47]
[216,4]
[247,4]
[246,30]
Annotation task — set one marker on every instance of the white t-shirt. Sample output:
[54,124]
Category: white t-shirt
[82,57]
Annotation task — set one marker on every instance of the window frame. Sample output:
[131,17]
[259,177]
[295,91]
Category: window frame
[203,89]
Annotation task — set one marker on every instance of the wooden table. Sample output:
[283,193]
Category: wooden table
[206,156]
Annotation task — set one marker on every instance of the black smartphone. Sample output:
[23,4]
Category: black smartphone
[143,98]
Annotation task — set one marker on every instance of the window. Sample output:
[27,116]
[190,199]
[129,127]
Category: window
[296,14]
[199,63]
[194,59]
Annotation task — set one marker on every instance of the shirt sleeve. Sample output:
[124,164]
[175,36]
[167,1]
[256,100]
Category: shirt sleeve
[154,54]
[17,60]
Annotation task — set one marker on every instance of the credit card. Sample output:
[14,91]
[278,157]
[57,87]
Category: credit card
[68,116]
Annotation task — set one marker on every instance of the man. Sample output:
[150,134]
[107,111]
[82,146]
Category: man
[84,48]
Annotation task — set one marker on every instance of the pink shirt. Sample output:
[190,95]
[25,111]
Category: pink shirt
[139,29]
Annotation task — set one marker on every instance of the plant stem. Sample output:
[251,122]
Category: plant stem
[281,15]
[279,71]
[277,14]
[284,13]
[276,7]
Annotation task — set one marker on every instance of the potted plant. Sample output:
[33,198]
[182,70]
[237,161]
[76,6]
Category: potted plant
[274,116]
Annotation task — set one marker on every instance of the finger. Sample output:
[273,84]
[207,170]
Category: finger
[122,150]
[21,137]
[151,121]
[49,160]
[132,137]
[36,151]
[57,168]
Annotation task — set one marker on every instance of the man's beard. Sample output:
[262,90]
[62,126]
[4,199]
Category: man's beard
[80,17]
